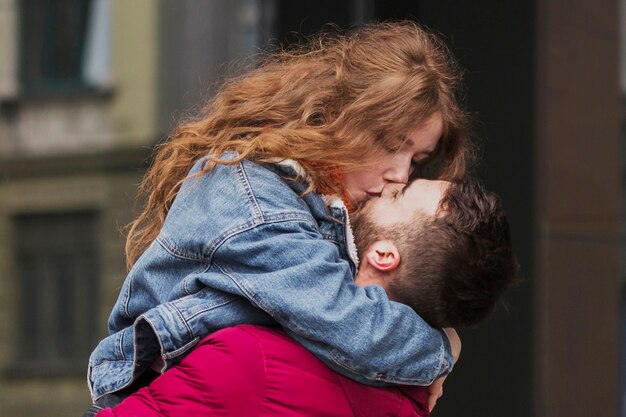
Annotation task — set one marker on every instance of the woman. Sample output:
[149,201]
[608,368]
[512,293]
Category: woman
[235,229]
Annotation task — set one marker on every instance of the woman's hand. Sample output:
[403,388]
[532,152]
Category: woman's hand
[435,390]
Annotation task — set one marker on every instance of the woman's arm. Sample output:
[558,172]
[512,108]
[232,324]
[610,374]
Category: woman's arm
[297,277]
[435,390]
[248,234]
[287,270]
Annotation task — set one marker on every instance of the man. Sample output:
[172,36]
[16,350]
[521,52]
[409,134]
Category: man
[442,248]
[454,242]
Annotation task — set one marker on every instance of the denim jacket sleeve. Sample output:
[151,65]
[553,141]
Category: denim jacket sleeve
[301,281]
[258,240]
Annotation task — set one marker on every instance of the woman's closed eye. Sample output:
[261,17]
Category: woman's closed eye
[418,163]
[422,158]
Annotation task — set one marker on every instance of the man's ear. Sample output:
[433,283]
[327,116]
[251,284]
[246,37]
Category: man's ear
[383,256]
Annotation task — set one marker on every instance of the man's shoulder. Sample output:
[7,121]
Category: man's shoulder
[272,342]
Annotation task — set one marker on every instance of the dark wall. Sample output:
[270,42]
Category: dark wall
[308,17]
[198,43]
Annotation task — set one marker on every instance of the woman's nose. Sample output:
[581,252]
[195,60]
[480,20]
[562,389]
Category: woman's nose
[399,170]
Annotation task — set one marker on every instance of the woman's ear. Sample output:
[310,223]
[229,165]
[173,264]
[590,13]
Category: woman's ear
[383,256]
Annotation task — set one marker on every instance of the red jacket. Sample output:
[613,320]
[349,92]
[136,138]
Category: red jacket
[255,371]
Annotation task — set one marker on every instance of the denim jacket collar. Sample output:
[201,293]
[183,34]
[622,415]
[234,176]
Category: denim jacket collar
[332,202]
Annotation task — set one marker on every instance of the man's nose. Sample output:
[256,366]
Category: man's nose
[389,189]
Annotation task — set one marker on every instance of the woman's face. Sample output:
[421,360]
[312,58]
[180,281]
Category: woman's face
[394,167]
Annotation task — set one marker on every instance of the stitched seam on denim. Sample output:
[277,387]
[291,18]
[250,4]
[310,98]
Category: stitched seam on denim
[206,257]
[182,319]
[290,215]
[214,306]
[187,282]
[182,349]
[106,361]
[224,299]
[186,288]
[172,249]
[442,357]
[130,277]
[249,296]
[259,303]
[392,379]
[217,242]
[263,306]
[119,344]
[276,218]
[338,360]
[241,173]
[227,235]
[115,385]
[126,296]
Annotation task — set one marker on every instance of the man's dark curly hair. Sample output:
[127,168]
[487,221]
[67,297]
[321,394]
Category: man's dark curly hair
[455,266]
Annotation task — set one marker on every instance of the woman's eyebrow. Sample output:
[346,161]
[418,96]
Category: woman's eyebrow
[409,142]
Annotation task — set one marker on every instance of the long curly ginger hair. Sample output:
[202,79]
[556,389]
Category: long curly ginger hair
[331,106]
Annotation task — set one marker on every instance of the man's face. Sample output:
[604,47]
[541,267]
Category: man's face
[386,217]
[399,203]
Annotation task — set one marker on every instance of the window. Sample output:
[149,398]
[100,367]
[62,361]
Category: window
[64,45]
[57,267]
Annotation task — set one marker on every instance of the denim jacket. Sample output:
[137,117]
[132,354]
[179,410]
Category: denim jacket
[240,244]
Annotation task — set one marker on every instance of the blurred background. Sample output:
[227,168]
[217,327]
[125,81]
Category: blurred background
[87,87]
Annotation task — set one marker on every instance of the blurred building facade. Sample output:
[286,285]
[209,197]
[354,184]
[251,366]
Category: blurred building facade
[77,90]
[87,88]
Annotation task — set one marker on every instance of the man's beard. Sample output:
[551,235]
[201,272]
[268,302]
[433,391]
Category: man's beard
[365,230]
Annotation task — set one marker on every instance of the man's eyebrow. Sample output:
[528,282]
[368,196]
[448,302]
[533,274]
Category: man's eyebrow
[406,187]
